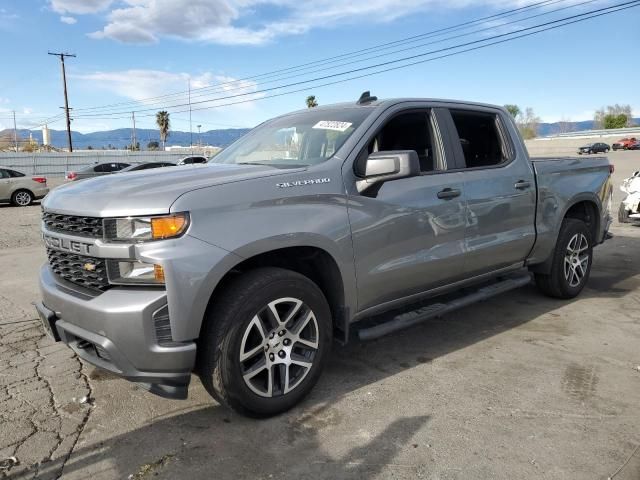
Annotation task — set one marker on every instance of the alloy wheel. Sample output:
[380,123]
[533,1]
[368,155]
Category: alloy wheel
[576,260]
[23,199]
[278,347]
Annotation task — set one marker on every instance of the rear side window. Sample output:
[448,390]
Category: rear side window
[482,138]
[14,174]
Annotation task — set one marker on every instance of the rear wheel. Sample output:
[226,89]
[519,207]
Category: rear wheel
[22,198]
[623,214]
[265,342]
[571,264]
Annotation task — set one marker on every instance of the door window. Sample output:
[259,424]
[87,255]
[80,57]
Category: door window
[407,131]
[4,174]
[482,138]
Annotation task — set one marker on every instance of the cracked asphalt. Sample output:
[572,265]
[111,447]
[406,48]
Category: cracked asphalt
[520,386]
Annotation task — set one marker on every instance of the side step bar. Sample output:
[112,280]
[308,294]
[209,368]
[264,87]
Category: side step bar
[409,319]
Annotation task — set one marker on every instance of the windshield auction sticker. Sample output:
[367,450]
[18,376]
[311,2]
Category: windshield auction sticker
[332,125]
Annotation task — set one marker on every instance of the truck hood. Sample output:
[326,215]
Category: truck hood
[145,192]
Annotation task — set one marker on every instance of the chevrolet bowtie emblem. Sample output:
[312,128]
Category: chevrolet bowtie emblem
[89,267]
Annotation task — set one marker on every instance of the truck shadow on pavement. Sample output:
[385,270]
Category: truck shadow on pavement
[315,440]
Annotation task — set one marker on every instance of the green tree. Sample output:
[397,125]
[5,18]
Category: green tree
[311,101]
[153,145]
[162,119]
[89,147]
[615,121]
[615,111]
[514,110]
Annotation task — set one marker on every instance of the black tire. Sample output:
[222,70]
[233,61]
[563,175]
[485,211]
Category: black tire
[22,198]
[623,214]
[606,150]
[555,284]
[224,334]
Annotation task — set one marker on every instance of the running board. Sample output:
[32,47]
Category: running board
[409,319]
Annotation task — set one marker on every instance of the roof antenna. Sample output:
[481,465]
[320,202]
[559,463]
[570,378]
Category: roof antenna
[366,98]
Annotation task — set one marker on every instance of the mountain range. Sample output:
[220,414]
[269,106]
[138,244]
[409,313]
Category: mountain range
[121,137]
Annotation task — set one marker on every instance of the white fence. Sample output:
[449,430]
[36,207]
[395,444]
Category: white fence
[56,164]
[614,132]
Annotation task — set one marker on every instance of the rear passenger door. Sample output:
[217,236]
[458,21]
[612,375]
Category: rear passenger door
[499,188]
[5,184]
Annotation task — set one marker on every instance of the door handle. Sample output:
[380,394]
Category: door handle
[448,193]
[521,184]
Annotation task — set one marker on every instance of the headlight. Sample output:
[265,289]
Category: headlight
[132,272]
[140,229]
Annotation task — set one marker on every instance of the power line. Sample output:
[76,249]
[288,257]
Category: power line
[555,23]
[360,52]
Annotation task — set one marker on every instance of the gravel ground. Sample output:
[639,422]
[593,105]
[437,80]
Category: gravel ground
[21,226]
[520,386]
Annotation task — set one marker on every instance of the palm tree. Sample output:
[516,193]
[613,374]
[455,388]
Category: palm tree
[311,101]
[162,119]
[514,110]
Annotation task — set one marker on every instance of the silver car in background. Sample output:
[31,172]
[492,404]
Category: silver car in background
[97,170]
[20,190]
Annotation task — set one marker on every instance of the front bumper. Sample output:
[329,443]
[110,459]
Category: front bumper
[116,331]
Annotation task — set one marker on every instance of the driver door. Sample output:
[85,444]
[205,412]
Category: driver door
[408,236]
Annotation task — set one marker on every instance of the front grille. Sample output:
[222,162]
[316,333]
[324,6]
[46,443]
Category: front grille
[89,272]
[76,225]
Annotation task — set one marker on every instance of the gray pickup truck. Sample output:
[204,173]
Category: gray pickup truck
[245,270]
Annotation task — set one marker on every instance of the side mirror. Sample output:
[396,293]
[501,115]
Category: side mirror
[385,166]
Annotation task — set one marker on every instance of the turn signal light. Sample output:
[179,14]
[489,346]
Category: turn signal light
[167,227]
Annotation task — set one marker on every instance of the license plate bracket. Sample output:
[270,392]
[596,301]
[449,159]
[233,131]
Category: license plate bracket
[48,319]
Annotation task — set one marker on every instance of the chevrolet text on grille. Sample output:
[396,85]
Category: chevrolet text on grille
[66,244]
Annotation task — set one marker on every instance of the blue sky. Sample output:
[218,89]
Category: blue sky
[131,50]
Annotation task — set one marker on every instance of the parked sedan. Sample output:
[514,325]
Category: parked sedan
[97,170]
[594,148]
[147,166]
[634,146]
[20,190]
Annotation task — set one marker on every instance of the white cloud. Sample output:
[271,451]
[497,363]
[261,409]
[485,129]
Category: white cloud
[234,22]
[143,85]
[68,20]
[80,7]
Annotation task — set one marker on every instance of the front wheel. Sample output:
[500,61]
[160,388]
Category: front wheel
[265,342]
[571,263]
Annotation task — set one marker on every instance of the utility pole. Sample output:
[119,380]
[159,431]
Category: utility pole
[199,142]
[15,131]
[133,141]
[66,99]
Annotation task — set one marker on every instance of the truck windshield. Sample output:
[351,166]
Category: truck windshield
[296,140]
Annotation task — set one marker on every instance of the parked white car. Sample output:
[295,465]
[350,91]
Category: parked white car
[629,211]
